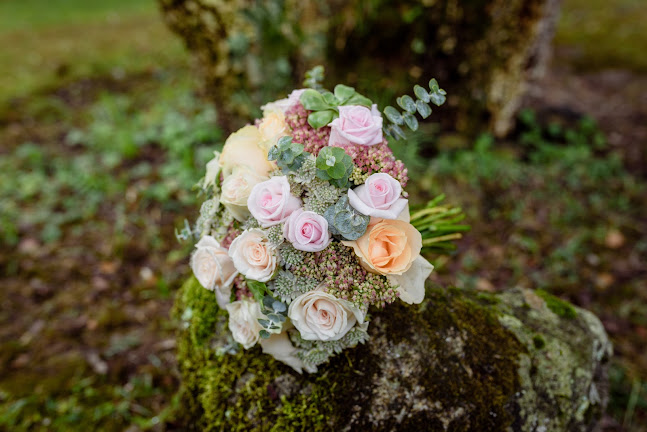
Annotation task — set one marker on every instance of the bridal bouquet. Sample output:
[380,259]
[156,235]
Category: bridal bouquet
[306,223]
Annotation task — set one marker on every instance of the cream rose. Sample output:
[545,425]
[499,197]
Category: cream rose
[236,189]
[244,148]
[253,255]
[213,268]
[243,322]
[272,128]
[213,169]
[321,316]
[388,246]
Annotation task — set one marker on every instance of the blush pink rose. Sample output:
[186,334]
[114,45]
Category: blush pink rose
[271,202]
[356,125]
[379,197]
[307,231]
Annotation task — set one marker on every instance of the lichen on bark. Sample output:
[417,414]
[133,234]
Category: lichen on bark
[459,361]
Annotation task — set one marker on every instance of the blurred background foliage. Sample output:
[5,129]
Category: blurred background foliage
[104,130]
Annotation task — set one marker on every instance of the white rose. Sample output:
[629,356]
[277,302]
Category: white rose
[213,169]
[321,316]
[243,322]
[253,255]
[213,268]
[283,104]
[236,189]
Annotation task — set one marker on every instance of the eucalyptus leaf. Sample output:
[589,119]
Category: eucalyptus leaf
[421,93]
[268,302]
[320,119]
[407,103]
[423,109]
[313,100]
[343,93]
[393,115]
[263,322]
[278,306]
[411,121]
[264,334]
[437,98]
[433,84]
[398,132]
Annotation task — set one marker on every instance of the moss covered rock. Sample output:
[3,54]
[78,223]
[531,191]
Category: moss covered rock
[460,361]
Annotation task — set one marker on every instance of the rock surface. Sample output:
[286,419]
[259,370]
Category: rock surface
[460,361]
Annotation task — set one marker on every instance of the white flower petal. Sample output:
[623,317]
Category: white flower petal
[412,282]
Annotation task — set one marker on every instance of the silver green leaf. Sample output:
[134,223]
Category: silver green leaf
[393,115]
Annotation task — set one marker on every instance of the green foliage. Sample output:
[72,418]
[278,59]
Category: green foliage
[258,289]
[411,107]
[289,156]
[314,77]
[325,105]
[335,166]
[439,225]
[43,189]
[276,313]
[287,286]
[345,221]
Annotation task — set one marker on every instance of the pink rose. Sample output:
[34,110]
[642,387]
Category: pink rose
[307,231]
[378,197]
[270,202]
[356,125]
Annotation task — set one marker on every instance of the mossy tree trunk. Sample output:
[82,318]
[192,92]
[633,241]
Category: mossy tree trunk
[483,52]
[460,361]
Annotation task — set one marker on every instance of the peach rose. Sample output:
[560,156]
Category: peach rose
[245,148]
[388,247]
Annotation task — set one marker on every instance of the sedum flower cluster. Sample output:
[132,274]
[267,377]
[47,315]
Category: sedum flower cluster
[306,226]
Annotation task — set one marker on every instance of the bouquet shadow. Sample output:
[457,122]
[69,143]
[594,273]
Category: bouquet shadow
[461,360]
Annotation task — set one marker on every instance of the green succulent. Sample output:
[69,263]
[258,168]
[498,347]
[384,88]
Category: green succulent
[335,166]
[344,220]
[325,105]
[289,156]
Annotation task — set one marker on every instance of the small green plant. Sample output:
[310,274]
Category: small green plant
[335,166]
[325,105]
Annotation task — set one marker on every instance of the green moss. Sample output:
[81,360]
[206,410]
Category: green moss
[250,391]
[558,306]
[538,342]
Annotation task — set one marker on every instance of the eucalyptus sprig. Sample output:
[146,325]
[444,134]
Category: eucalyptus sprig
[325,105]
[289,156]
[411,107]
[314,77]
[439,225]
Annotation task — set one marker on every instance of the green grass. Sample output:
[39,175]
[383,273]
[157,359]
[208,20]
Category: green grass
[604,34]
[46,42]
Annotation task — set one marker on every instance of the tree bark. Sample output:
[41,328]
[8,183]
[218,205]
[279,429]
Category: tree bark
[460,361]
[483,52]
